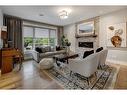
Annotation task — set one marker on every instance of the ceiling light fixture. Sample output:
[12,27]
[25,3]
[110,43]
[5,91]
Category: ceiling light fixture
[63,14]
[41,14]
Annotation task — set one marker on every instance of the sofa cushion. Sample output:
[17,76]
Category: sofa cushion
[48,49]
[58,48]
[48,54]
[43,49]
[99,49]
[38,49]
[87,53]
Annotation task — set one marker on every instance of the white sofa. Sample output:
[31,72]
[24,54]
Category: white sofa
[38,56]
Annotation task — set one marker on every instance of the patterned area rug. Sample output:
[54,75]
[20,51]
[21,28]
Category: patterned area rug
[102,79]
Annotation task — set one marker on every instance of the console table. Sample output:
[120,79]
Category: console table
[7,55]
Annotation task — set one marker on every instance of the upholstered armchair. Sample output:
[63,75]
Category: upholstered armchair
[103,57]
[85,67]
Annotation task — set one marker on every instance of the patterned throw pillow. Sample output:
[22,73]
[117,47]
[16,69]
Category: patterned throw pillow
[99,49]
[87,53]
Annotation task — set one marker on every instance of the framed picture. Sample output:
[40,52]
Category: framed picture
[85,28]
[116,35]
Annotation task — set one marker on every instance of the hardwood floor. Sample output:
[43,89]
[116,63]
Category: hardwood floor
[30,77]
[33,78]
[47,83]
[121,81]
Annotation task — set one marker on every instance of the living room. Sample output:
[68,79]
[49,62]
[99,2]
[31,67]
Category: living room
[46,46]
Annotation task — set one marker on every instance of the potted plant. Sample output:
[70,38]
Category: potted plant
[65,43]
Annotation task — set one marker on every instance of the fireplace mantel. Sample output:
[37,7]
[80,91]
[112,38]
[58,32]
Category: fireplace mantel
[81,36]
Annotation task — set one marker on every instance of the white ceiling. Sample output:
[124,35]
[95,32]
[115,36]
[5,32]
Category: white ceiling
[77,13]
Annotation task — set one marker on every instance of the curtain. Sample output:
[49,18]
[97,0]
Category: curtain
[59,34]
[14,31]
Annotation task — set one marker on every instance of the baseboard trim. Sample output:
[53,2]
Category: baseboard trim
[117,62]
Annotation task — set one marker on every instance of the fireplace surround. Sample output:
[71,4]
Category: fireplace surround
[85,44]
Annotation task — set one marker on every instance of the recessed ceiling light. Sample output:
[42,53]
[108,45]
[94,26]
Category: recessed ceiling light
[41,14]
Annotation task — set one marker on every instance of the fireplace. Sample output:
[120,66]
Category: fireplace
[85,44]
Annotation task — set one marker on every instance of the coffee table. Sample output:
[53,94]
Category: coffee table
[64,57]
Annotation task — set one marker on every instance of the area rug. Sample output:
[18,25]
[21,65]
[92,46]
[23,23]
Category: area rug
[102,80]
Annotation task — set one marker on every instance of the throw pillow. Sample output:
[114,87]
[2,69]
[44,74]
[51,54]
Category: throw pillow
[48,48]
[99,49]
[58,48]
[43,49]
[87,53]
[38,49]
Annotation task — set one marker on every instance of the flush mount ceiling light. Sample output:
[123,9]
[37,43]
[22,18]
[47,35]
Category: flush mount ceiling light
[63,14]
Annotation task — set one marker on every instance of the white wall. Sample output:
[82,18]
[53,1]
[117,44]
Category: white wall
[112,18]
[117,57]
[1,18]
[69,32]
[1,23]
[114,55]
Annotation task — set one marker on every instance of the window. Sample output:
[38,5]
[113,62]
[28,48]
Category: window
[36,37]
[28,38]
[41,37]
[52,38]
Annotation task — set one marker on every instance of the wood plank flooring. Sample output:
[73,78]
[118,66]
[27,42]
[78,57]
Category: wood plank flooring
[33,78]
[121,81]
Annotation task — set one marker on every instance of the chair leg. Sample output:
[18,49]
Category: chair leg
[87,79]
[20,64]
[100,67]
[70,73]
[96,74]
